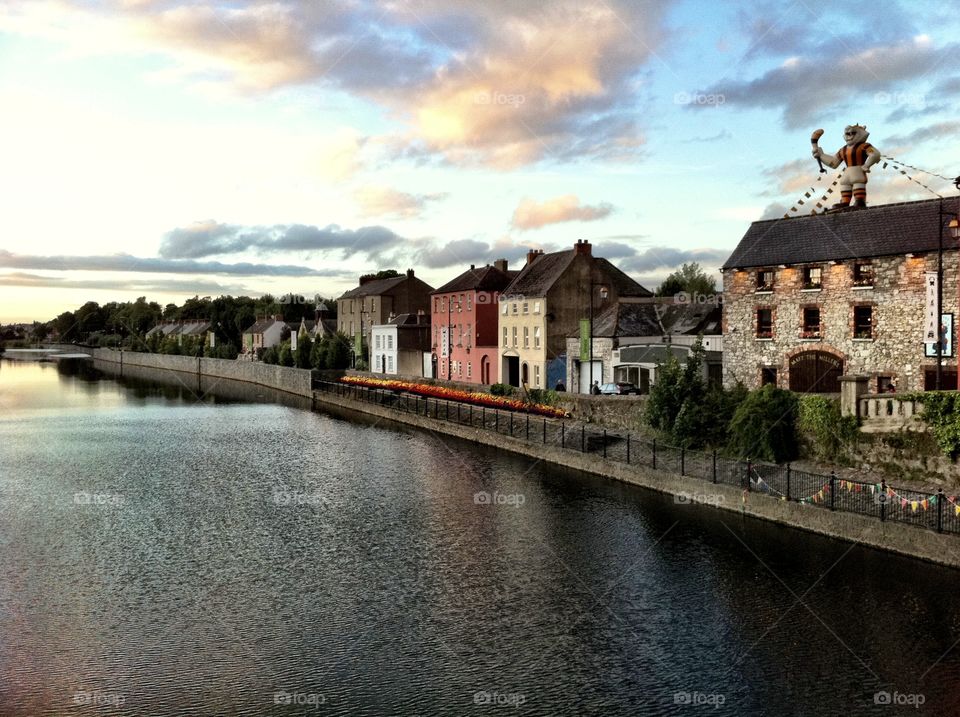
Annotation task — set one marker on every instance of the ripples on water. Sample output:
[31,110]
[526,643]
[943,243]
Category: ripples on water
[168,555]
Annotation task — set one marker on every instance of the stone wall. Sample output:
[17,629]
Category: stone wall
[282,378]
[897,297]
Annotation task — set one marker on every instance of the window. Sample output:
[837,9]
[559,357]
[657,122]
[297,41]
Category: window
[504,309]
[765,279]
[436,305]
[862,274]
[505,344]
[536,375]
[514,337]
[526,337]
[536,337]
[536,307]
[389,342]
[469,369]
[768,374]
[514,305]
[376,341]
[390,364]
[863,322]
[764,323]
[812,276]
[373,305]
[526,308]
[885,384]
[469,335]
[811,323]
[460,304]
[469,307]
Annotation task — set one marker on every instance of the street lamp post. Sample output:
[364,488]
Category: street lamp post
[954,234]
[603,297]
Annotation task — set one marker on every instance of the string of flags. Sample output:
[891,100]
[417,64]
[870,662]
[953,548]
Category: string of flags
[888,161]
[895,499]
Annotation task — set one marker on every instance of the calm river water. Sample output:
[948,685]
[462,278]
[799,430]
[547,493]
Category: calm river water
[168,554]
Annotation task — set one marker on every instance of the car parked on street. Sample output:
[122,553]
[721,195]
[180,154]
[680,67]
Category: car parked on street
[619,389]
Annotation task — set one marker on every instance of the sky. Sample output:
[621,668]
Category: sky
[168,149]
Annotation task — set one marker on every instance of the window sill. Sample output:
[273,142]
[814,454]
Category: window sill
[811,339]
[763,338]
[862,288]
[863,340]
[811,291]
[763,291]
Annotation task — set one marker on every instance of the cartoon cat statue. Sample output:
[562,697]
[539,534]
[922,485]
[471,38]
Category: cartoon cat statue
[858,155]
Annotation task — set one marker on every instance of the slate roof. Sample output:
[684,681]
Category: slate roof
[409,320]
[484,278]
[884,230]
[262,325]
[537,278]
[656,318]
[376,287]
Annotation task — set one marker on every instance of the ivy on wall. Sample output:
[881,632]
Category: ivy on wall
[827,431]
[941,412]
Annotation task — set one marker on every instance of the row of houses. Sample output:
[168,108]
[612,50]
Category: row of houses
[806,301]
[566,317]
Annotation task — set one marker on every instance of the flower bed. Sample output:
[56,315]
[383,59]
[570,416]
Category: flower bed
[453,394]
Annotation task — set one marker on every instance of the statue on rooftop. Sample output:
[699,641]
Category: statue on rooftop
[858,155]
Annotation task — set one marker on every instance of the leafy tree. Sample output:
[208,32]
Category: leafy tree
[302,354]
[689,278]
[764,426]
[270,355]
[285,355]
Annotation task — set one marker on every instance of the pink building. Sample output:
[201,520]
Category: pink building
[464,324]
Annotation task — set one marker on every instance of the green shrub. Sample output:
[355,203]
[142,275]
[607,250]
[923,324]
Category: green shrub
[941,411]
[285,355]
[543,396]
[270,355]
[501,389]
[819,418]
[764,426]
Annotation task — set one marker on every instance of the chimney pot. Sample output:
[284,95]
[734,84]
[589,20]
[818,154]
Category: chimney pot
[409,273]
[583,247]
[500,264]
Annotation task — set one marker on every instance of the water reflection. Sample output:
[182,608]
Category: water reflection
[227,552]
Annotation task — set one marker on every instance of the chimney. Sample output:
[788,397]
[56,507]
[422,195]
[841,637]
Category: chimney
[582,247]
[533,254]
[472,267]
[501,264]
[409,273]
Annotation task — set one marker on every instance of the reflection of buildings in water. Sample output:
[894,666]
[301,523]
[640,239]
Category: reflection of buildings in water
[181,386]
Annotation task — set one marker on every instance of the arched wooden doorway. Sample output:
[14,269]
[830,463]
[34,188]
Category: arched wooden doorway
[815,372]
[485,370]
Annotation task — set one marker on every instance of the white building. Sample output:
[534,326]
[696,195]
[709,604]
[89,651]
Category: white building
[398,346]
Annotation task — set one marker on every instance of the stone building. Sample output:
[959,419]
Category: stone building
[374,301]
[810,299]
[545,303]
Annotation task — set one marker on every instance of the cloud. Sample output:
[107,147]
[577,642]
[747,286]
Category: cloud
[530,214]
[211,238]
[128,263]
[496,83]
[925,134]
[460,252]
[384,201]
[666,259]
[193,286]
[819,84]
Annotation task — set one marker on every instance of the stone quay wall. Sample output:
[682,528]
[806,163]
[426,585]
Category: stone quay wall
[897,297]
[297,381]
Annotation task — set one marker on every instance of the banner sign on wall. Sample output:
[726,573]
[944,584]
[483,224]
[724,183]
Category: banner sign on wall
[946,336]
[930,329]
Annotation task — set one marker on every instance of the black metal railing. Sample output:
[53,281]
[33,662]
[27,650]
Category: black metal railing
[933,511]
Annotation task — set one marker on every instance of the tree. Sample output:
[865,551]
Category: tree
[285,355]
[764,426]
[689,278]
[302,354]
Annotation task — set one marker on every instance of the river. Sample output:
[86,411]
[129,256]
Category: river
[164,552]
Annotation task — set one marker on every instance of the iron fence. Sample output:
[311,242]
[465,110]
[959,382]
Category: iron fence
[933,511]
